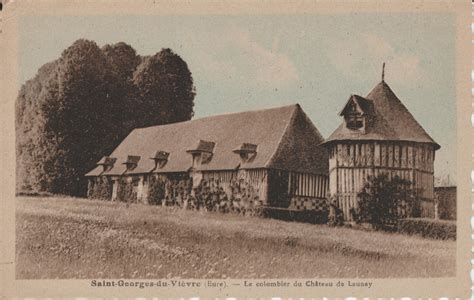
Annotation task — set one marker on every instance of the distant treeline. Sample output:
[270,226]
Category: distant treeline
[79,107]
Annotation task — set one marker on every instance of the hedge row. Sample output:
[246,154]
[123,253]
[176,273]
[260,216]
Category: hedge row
[33,194]
[306,216]
[430,228]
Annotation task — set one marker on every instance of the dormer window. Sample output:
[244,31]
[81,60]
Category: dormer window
[160,158]
[357,113]
[354,121]
[107,163]
[202,152]
[131,162]
[246,151]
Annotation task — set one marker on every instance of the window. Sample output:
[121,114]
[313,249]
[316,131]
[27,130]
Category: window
[201,152]
[246,151]
[131,162]
[354,121]
[160,158]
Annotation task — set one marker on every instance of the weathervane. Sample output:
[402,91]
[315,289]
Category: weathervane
[383,71]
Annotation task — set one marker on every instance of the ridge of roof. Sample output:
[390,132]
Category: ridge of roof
[225,114]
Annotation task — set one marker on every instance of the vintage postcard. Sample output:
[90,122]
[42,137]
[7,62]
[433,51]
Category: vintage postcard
[230,149]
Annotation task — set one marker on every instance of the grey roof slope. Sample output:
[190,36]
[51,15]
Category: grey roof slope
[392,121]
[285,138]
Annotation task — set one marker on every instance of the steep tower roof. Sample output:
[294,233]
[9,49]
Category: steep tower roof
[391,121]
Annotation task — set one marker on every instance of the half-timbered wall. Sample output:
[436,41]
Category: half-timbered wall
[307,185]
[276,188]
[351,163]
[308,191]
[253,178]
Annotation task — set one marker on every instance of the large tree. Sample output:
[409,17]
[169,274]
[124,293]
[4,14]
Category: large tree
[164,88]
[123,59]
[79,107]
[32,140]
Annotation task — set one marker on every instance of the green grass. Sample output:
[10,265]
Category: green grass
[79,238]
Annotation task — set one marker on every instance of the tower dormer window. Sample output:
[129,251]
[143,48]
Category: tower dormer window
[357,113]
[354,121]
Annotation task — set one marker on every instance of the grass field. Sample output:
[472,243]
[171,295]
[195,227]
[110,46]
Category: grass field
[79,238]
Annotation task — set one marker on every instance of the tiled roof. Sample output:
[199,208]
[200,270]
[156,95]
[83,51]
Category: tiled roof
[285,137]
[392,121]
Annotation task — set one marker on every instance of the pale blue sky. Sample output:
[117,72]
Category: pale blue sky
[255,61]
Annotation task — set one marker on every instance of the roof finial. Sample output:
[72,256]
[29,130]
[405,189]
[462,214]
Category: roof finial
[383,72]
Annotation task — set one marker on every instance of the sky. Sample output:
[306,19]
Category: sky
[246,62]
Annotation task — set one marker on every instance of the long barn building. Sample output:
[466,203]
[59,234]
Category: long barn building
[268,157]
[379,135]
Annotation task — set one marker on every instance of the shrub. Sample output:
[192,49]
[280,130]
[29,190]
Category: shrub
[126,191]
[244,198]
[156,190]
[383,201]
[178,192]
[430,228]
[100,188]
[336,216]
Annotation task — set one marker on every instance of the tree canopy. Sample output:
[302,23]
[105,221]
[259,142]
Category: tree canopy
[162,81]
[79,107]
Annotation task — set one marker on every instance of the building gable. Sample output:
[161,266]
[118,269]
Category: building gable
[300,149]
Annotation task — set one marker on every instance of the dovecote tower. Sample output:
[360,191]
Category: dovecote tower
[379,135]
